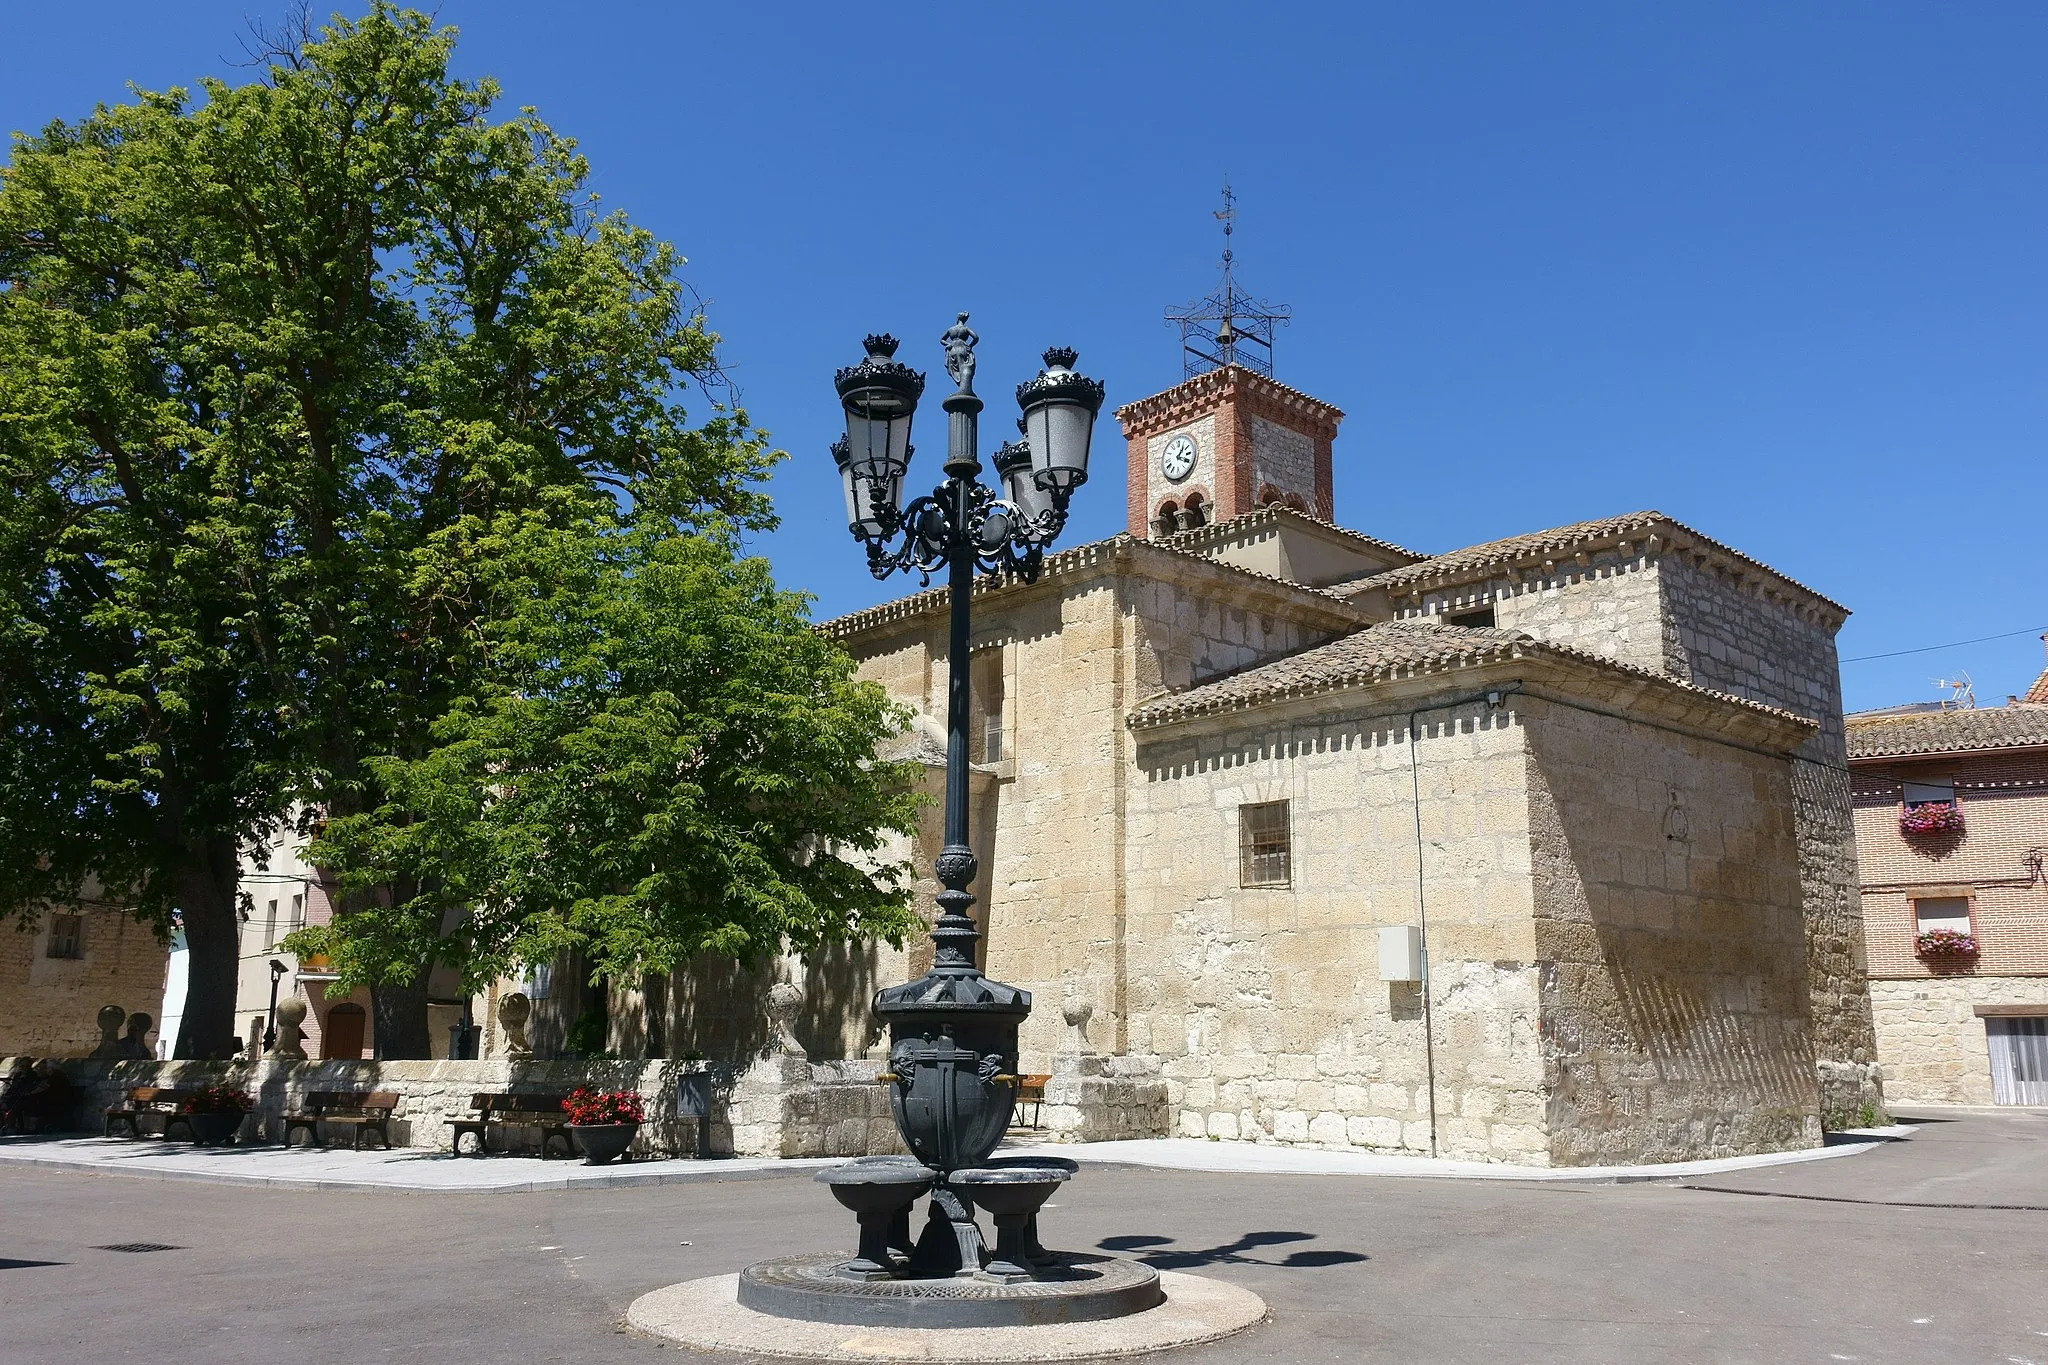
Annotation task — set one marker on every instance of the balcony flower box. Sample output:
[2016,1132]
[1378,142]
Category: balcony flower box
[1932,817]
[1946,945]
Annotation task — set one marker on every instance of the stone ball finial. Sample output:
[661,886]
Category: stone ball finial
[291,1013]
[513,1012]
[783,1001]
[110,1018]
[1077,1011]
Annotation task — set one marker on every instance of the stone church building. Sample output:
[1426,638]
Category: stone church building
[1242,773]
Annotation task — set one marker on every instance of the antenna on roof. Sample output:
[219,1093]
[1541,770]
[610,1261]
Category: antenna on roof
[1964,693]
[1243,327]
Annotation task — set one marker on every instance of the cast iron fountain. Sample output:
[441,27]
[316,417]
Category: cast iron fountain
[952,1073]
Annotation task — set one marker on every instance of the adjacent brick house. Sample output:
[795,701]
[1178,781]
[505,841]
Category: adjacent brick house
[1957,1027]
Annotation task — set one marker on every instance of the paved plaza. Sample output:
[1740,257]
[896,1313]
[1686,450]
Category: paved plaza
[1931,1247]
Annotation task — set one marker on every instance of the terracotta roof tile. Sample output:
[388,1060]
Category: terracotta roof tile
[1071,560]
[1479,560]
[1389,650]
[2038,693]
[1946,732]
[1201,537]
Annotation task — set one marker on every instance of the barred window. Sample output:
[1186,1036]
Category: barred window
[67,936]
[986,679]
[1263,844]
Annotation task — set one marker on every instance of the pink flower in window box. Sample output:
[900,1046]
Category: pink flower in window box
[1946,943]
[1932,817]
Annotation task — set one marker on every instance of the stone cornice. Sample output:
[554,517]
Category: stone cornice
[1330,611]
[1206,392]
[1649,533]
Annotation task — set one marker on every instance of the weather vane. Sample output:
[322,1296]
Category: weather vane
[1228,327]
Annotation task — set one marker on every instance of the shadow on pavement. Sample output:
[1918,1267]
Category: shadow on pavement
[1153,1252]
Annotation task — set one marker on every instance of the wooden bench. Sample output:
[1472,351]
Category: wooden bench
[514,1111]
[1031,1091]
[141,1102]
[365,1113]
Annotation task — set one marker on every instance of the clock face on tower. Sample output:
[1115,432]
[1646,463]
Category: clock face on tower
[1177,460]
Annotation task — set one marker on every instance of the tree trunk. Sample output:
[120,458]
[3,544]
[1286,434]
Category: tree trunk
[213,936]
[401,1015]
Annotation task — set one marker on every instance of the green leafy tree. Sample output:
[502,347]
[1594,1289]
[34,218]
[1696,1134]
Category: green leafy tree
[673,762]
[290,379]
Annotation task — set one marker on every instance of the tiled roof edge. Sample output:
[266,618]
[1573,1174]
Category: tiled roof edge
[1215,531]
[1120,546]
[1617,528]
[1189,705]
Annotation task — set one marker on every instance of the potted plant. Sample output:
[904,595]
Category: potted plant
[603,1122]
[1946,945]
[1932,817]
[215,1111]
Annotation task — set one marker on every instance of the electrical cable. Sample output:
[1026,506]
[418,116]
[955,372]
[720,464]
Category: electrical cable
[1958,644]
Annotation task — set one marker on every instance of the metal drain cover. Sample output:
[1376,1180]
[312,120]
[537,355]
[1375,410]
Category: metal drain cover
[139,1246]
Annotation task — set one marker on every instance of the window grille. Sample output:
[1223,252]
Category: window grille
[1263,844]
[988,705]
[67,936]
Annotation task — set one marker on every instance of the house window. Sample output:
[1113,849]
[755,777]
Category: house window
[298,912]
[1941,912]
[1930,794]
[270,927]
[67,936]
[1263,844]
[988,706]
[1482,617]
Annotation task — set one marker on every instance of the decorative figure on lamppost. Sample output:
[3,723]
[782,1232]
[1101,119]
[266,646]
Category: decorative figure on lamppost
[960,341]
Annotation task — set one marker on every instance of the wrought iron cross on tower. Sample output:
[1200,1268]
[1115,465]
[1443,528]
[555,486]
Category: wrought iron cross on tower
[1228,327]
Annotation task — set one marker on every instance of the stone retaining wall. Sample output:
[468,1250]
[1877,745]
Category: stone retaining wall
[779,1106]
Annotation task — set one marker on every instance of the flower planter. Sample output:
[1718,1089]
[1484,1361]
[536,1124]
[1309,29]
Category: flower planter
[603,1142]
[215,1127]
[1932,819]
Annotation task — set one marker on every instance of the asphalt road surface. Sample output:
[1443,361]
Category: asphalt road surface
[1930,1249]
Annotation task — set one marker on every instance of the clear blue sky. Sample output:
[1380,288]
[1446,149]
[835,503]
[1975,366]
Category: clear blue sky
[1778,270]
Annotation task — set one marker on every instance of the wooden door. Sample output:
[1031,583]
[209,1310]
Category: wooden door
[343,1036]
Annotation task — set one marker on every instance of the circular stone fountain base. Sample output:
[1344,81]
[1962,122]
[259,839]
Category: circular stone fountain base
[1078,1289]
[707,1314]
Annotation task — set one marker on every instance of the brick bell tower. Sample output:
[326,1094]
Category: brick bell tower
[1229,438]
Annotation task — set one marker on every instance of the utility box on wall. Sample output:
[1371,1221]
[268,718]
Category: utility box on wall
[1400,953]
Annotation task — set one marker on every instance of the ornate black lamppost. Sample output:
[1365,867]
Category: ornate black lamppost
[277,971]
[953,1032]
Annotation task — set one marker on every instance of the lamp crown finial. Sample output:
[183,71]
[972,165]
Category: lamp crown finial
[880,345]
[1061,357]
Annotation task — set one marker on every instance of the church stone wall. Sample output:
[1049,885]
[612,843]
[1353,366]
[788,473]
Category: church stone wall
[1264,1004]
[1052,913]
[1676,1020]
[1734,639]
[1610,605]
[1079,651]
